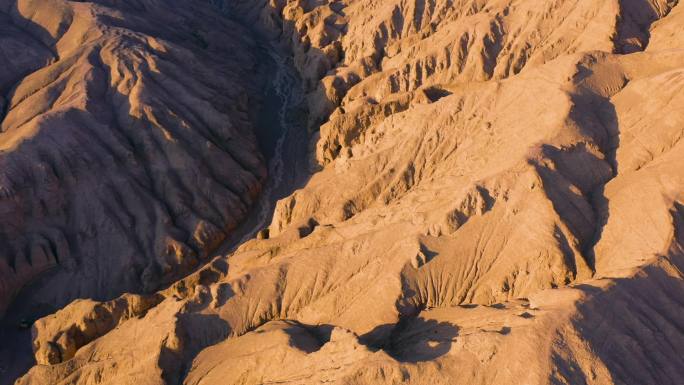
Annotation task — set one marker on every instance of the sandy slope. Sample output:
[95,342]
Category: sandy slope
[498,199]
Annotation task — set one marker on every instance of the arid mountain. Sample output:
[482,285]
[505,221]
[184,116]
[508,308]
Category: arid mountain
[127,147]
[496,191]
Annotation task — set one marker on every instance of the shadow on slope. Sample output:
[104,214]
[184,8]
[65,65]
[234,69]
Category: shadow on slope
[413,339]
[635,326]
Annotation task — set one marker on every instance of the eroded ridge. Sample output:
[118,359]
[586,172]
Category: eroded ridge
[497,199]
[127,146]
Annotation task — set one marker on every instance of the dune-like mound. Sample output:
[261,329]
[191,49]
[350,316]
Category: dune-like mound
[495,195]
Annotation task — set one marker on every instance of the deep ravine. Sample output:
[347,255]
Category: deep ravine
[281,132]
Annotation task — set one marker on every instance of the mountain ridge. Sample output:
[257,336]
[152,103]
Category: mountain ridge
[495,197]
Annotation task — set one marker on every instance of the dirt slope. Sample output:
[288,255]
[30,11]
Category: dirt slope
[127,146]
[497,198]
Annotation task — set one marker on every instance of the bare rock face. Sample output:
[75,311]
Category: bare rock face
[127,146]
[92,319]
[498,198]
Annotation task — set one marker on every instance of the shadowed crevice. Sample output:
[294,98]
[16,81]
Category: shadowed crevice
[413,339]
[637,16]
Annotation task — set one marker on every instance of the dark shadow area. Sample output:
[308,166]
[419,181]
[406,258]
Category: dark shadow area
[635,327]
[427,252]
[267,124]
[635,24]
[319,333]
[419,340]
[435,93]
[599,202]
[16,355]
[280,127]
[596,118]
[287,151]
[566,369]
[16,351]
[18,63]
[526,315]
[308,228]
[568,204]
[413,339]
[196,332]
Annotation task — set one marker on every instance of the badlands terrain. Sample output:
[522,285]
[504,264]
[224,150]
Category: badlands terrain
[341,192]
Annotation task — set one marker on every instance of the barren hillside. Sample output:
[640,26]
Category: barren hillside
[495,191]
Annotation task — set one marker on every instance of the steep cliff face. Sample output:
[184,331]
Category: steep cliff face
[127,146]
[497,198]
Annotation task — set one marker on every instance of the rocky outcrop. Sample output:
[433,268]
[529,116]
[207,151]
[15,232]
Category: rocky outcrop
[83,321]
[359,53]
